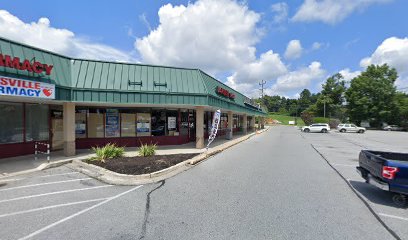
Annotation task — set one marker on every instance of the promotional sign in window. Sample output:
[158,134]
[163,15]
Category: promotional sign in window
[171,123]
[112,123]
[143,124]
[24,88]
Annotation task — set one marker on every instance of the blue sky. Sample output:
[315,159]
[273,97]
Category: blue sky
[238,42]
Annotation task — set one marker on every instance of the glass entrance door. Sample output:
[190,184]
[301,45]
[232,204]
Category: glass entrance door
[192,125]
[57,131]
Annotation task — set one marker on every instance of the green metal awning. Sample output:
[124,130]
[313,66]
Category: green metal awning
[81,80]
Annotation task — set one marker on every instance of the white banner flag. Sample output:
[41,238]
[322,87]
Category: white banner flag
[214,127]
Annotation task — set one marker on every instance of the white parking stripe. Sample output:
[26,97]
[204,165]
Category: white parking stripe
[53,193]
[50,207]
[392,216]
[77,214]
[59,174]
[42,184]
[344,165]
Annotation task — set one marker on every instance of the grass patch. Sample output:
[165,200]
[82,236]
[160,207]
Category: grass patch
[284,119]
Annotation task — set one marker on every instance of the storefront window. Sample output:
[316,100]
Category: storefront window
[37,127]
[235,122]
[11,122]
[184,123]
[95,124]
[112,122]
[224,121]
[143,124]
[128,126]
[159,123]
[80,123]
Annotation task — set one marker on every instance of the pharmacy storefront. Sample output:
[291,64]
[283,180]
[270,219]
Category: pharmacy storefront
[77,104]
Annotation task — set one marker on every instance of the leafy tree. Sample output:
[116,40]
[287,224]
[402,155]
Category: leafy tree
[307,117]
[331,98]
[371,95]
[305,100]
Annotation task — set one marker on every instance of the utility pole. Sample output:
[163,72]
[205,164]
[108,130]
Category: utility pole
[262,83]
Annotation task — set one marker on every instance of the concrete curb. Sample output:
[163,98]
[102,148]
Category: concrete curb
[114,178]
[39,168]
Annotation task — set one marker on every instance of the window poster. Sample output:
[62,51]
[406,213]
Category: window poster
[171,123]
[112,123]
[143,124]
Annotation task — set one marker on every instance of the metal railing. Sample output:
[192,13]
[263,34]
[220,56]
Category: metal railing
[46,152]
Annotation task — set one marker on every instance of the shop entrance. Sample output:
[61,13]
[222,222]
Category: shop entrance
[192,125]
[57,131]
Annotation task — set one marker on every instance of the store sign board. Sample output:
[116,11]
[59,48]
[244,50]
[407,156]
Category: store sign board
[225,93]
[25,65]
[24,88]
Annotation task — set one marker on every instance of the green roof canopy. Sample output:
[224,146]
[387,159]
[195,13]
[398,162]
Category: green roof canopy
[81,80]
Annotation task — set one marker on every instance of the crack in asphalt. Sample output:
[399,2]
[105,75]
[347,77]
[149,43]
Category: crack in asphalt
[147,209]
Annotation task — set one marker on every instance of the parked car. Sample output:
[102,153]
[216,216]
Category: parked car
[350,128]
[393,128]
[387,171]
[317,127]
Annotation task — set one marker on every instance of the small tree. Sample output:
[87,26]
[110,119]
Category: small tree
[307,117]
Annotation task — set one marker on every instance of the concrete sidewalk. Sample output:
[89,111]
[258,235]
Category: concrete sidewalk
[27,162]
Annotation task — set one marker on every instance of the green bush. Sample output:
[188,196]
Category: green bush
[320,120]
[110,150]
[147,150]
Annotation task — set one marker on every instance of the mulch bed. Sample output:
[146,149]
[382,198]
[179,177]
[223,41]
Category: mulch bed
[142,165]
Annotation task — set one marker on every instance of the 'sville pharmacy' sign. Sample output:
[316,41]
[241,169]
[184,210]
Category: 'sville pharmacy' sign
[24,88]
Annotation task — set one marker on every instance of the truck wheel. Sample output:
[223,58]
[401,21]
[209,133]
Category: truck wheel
[324,130]
[343,130]
[306,130]
[400,200]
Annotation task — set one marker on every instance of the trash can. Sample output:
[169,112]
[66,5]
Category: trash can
[228,134]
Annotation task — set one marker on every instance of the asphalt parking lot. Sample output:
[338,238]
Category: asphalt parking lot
[341,150]
[33,206]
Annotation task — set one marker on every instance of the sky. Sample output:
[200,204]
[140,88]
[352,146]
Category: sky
[292,45]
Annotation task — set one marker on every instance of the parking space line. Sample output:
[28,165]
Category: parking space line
[77,214]
[58,174]
[42,184]
[392,216]
[54,193]
[51,207]
[343,165]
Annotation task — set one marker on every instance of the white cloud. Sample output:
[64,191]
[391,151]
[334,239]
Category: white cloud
[331,11]
[281,12]
[349,75]
[41,34]
[293,50]
[298,79]
[215,35]
[394,52]
[316,46]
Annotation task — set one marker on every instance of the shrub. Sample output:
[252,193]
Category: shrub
[320,120]
[307,117]
[333,123]
[110,150]
[147,150]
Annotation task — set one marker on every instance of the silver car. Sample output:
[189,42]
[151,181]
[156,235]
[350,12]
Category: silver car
[347,127]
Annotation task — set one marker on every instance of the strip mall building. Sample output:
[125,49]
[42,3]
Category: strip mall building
[75,103]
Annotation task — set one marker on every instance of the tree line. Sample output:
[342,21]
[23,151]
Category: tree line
[371,97]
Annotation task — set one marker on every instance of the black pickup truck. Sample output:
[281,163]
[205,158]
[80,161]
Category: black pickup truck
[387,171]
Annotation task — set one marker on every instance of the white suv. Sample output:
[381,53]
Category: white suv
[317,127]
[350,128]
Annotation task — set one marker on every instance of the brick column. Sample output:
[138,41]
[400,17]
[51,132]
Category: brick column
[244,124]
[200,142]
[69,128]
